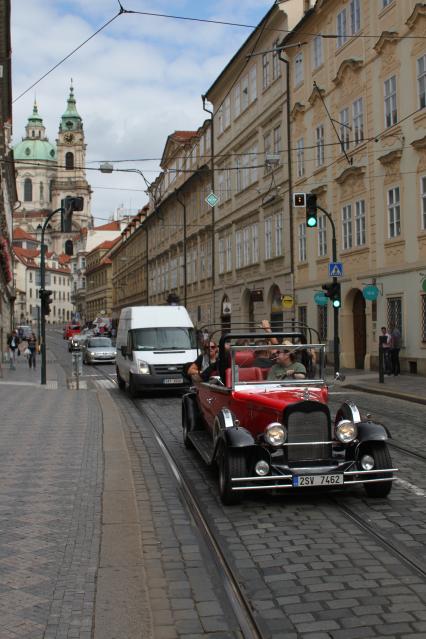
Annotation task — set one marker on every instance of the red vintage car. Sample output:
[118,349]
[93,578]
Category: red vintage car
[268,427]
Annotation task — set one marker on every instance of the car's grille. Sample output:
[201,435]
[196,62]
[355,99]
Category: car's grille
[167,369]
[308,427]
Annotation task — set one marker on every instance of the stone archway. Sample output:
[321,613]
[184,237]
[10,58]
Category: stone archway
[247,309]
[276,310]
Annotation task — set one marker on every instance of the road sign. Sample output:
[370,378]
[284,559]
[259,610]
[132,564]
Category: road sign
[320,299]
[370,292]
[212,199]
[335,269]
[287,301]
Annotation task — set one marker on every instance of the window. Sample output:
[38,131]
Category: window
[268,238]
[277,139]
[394,212]
[28,190]
[266,71]
[385,3]
[302,315]
[253,84]
[239,251]
[355,10]
[423,200]
[226,113]
[322,323]
[302,242]
[298,68]
[229,253]
[300,157]
[244,93]
[391,115]
[254,243]
[347,226]
[423,309]
[220,119]
[278,234]
[344,129]
[360,223]
[318,55]
[421,80]
[69,160]
[228,184]
[319,137]
[237,100]
[267,145]
[358,121]
[246,246]
[394,312]
[276,66]
[342,34]
[322,236]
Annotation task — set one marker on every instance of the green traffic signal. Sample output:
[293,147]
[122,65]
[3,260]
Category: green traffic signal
[311,220]
[336,303]
[311,210]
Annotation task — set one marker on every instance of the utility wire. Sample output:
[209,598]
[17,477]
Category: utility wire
[69,55]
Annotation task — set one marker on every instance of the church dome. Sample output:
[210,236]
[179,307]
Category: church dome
[35,150]
[35,145]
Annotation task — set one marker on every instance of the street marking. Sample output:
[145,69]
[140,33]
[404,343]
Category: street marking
[419,492]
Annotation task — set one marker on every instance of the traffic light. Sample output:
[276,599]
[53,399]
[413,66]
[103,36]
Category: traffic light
[299,199]
[46,300]
[332,291]
[69,205]
[311,210]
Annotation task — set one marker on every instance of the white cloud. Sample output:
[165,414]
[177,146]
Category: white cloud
[135,82]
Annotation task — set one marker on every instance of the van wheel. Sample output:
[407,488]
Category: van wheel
[120,381]
[132,388]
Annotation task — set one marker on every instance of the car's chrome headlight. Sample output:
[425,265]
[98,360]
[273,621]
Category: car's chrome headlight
[275,434]
[346,431]
[92,354]
[143,368]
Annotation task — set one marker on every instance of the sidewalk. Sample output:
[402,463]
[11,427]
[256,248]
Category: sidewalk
[412,388]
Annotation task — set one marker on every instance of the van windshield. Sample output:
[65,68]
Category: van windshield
[148,339]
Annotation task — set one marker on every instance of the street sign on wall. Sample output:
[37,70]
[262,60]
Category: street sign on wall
[370,292]
[320,299]
[335,269]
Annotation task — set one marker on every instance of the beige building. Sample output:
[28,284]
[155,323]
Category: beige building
[99,280]
[358,123]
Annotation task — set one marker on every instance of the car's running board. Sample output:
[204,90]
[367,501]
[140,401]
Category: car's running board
[203,443]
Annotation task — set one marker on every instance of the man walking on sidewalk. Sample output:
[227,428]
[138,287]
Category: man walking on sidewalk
[32,347]
[395,347]
[12,342]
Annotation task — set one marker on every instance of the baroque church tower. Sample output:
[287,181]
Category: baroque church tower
[46,174]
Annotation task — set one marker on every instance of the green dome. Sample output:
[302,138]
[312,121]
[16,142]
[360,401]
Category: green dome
[35,150]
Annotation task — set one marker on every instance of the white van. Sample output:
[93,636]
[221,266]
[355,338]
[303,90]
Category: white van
[153,343]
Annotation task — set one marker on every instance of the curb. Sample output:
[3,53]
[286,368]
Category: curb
[388,393]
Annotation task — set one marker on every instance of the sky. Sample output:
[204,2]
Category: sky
[136,82]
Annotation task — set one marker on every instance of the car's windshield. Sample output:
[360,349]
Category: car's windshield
[170,338]
[99,342]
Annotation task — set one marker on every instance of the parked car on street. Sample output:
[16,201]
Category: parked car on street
[71,329]
[98,350]
[270,428]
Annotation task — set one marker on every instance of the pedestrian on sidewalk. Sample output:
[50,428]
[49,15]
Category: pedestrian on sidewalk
[385,341]
[32,347]
[12,343]
[395,347]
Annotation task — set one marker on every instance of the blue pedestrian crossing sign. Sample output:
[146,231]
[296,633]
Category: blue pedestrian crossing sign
[335,269]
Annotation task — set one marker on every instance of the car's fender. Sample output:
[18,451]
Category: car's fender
[228,431]
[190,407]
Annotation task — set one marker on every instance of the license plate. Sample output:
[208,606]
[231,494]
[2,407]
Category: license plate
[317,480]
[173,380]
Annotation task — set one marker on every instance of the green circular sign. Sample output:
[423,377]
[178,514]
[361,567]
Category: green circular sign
[370,292]
[320,299]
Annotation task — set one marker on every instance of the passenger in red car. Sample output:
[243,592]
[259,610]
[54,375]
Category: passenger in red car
[287,367]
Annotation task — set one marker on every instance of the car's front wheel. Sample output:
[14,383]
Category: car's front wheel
[382,459]
[232,463]
[120,381]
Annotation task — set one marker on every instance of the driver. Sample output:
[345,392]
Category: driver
[287,366]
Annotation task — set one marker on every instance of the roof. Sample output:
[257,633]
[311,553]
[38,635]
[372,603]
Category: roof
[20,234]
[111,226]
[25,253]
[35,150]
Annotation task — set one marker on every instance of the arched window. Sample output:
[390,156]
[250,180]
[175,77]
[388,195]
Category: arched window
[28,190]
[50,190]
[41,191]
[69,160]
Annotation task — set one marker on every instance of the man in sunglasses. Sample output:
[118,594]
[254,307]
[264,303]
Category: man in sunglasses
[287,367]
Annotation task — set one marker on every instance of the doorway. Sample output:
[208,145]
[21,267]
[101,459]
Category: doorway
[360,332]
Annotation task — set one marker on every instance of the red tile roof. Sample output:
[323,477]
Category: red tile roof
[111,226]
[20,234]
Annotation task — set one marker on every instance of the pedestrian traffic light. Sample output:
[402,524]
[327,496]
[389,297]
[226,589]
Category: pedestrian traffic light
[311,210]
[333,292]
[68,205]
[46,300]
[299,199]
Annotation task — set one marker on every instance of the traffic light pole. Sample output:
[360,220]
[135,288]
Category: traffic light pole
[336,310]
[42,289]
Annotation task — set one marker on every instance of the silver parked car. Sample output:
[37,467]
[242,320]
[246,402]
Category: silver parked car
[99,349]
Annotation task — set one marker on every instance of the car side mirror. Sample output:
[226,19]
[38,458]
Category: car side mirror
[124,351]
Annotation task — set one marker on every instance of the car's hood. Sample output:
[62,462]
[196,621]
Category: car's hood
[278,398]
